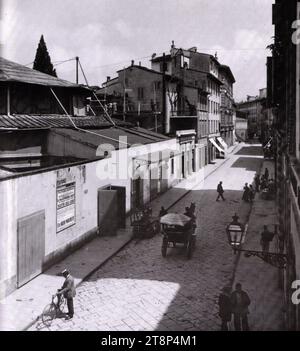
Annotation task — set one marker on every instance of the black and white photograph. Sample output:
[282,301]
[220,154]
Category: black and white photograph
[149,168]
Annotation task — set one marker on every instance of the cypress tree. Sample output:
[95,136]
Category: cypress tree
[42,61]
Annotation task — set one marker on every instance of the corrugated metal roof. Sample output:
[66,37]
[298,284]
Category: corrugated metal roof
[54,121]
[14,72]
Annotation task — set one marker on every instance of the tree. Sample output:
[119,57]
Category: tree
[42,61]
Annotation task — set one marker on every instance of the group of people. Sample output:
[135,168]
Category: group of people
[264,182]
[249,193]
[234,303]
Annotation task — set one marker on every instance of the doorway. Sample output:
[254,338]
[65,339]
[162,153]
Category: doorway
[31,246]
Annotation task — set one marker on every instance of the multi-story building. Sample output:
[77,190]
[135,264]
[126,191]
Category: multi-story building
[253,108]
[137,95]
[194,95]
[181,91]
[227,105]
[284,101]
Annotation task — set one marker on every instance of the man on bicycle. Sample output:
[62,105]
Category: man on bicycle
[68,291]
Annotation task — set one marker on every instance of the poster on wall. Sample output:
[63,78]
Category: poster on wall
[65,202]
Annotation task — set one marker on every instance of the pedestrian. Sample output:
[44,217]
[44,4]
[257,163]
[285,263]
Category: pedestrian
[257,182]
[220,191]
[246,193]
[263,182]
[266,238]
[68,291]
[240,302]
[266,173]
[225,309]
[162,211]
[251,193]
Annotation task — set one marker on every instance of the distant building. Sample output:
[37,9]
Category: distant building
[227,105]
[255,114]
[137,95]
[241,126]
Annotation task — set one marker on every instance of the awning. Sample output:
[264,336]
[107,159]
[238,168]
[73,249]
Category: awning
[155,157]
[222,142]
[216,145]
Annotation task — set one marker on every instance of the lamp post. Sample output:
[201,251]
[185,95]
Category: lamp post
[236,234]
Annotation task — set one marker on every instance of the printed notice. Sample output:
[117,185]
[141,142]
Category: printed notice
[65,206]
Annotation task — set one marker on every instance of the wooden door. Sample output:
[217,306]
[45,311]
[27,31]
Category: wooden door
[107,211]
[31,246]
[121,205]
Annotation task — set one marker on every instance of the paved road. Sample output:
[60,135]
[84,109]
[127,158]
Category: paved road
[138,289]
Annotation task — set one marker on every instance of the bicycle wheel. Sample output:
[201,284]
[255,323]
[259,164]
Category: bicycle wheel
[49,313]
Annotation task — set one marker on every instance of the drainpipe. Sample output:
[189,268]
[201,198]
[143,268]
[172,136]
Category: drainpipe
[164,112]
[8,101]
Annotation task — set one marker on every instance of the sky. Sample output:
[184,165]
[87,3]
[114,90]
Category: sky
[107,34]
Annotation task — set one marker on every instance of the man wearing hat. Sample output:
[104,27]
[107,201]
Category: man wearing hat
[68,291]
[225,308]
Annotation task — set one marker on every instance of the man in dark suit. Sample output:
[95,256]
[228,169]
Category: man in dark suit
[68,291]
[220,191]
[240,302]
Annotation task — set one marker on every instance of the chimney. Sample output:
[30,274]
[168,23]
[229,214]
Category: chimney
[132,62]
[173,45]
[108,78]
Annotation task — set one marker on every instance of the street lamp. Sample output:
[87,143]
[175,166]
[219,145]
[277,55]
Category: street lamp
[236,233]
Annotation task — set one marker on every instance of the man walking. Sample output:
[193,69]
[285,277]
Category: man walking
[68,291]
[220,191]
[225,307]
[266,238]
[240,302]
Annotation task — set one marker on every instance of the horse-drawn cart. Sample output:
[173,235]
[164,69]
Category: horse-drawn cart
[178,228]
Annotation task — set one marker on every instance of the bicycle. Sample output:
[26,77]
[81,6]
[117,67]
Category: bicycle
[53,310]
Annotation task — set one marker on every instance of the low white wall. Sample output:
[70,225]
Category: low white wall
[25,195]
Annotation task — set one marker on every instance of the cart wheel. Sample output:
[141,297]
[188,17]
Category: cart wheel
[191,247]
[164,247]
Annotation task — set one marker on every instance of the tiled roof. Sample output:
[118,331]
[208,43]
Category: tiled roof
[54,121]
[14,72]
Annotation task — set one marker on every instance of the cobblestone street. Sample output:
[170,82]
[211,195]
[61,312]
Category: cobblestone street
[138,289]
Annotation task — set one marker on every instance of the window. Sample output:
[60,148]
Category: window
[157,85]
[185,62]
[172,165]
[140,93]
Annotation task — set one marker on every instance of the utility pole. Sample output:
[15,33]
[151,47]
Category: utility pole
[164,114]
[155,109]
[124,98]
[77,64]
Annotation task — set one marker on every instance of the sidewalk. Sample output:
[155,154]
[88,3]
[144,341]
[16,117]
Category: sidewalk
[21,309]
[257,277]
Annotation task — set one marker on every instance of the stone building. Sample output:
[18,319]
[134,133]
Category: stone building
[227,105]
[283,99]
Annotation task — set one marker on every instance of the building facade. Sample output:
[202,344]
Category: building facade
[283,100]
[138,96]
[254,109]
[227,105]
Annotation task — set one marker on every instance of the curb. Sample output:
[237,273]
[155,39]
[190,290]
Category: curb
[232,279]
[131,239]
